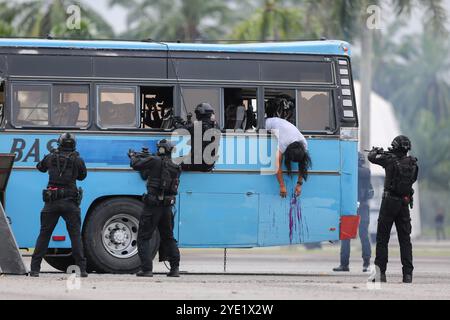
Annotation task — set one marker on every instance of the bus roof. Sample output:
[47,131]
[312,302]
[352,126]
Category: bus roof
[326,47]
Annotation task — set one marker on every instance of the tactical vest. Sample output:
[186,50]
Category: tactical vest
[404,176]
[203,166]
[62,169]
[169,178]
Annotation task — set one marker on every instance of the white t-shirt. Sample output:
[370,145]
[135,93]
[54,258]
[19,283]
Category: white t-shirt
[285,132]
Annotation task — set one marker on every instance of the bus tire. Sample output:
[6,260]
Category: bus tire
[110,236]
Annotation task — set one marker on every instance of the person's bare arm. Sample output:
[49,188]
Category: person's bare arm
[283,192]
[298,187]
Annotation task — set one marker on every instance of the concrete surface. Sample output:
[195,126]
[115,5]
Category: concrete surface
[284,274]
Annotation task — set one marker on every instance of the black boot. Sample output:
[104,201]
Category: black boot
[407,278]
[174,272]
[380,277]
[83,274]
[342,269]
[145,274]
[34,274]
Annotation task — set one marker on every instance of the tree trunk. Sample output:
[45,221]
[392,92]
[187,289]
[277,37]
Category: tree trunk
[366,86]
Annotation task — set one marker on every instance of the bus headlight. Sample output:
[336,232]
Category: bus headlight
[349,134]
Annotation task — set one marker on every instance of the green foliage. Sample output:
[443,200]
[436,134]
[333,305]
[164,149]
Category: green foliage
[414,75]
[277,20]
[39,18]
[172,20]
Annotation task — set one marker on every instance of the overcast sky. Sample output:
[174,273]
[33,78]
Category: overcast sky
[116,16]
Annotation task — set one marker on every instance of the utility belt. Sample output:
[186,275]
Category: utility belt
[406,200]
[53,193]
[158,201]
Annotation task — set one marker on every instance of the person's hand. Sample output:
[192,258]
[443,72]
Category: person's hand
[298,190]
[283,192]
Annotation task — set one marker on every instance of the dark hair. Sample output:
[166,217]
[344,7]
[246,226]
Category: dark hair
[296,152]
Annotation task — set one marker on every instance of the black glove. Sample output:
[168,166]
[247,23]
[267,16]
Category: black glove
[377,150]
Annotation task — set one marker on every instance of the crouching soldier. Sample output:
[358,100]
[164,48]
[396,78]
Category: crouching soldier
[163,177]
[62,199]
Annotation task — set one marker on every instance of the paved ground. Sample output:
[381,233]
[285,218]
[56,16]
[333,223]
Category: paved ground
[287,273]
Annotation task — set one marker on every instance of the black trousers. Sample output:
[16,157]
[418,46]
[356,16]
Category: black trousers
[70,212]
[393,210]
[161,217]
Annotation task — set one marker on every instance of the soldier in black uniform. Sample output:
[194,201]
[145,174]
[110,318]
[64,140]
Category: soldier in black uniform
[196,160]
[401,173]
[62,199]
[163,177]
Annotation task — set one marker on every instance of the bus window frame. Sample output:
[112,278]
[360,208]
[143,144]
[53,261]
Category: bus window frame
[331,112]
[3,108]
[175,89]
[119,85]
[258,105]
[90,103]
[49,84]
[198,86]
[37,84]
[296,89]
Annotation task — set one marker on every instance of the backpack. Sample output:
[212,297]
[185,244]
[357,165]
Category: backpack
[170,177]
[405,174]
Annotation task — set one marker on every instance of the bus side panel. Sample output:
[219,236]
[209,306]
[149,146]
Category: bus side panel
[349,178]
[219,220]
[315,216]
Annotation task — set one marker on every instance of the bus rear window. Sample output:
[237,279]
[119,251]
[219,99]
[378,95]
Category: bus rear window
[117,107]
[30,105]
[315,111]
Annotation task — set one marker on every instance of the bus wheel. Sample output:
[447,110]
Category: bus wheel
[110,236]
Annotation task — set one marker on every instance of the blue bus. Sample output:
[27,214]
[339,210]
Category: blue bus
[121,95]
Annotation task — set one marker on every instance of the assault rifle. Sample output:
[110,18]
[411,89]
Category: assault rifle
[143,154]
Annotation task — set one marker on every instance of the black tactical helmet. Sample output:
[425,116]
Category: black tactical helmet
[402,144]
[67,141]
[204,111]
[165,147]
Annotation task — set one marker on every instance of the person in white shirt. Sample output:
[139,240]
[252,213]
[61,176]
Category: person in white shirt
[292,147]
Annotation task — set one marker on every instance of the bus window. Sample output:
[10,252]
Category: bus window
[70,106]
[191,97]
[315,112]
[285,109]
[240,108]
[2,103]
[117,107]
[297,71]
[30,104]
[157,108]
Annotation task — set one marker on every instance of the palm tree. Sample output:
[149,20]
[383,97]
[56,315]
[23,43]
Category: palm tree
[171,20]
[39,18]
[426,84]
[348,18]
[277,20]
